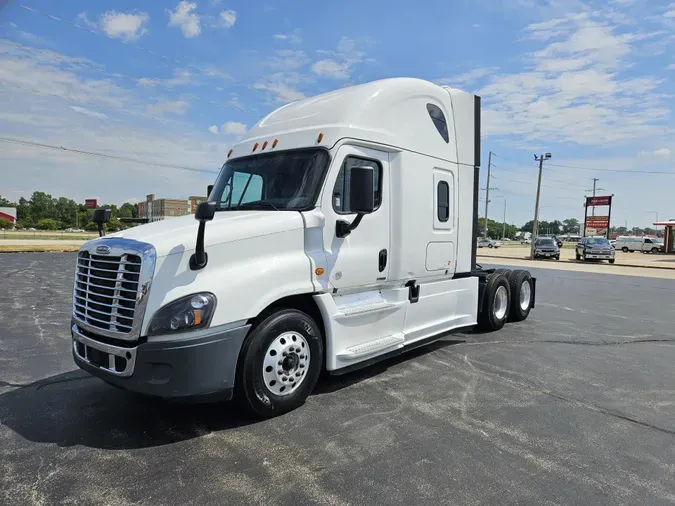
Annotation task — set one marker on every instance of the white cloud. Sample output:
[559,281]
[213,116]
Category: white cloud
[579,87]
[228,18]
[288,59]
[233,128]
[331,68]
[213,129]
[293,38]
[124,26]
[661,153]
[467,78]
[120,25]
[671,66]
[186,19]
[177,107]
[84,110]
[57,117]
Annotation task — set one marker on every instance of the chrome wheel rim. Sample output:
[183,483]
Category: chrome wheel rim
[501,302]
[286,363]
[525,294]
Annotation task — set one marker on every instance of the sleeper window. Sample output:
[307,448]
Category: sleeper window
[438,118]
[443,199]
[341,189]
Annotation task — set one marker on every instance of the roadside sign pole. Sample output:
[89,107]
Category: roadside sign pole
[609,217]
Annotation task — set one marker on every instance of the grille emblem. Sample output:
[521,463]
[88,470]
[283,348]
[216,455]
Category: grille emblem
[103,250]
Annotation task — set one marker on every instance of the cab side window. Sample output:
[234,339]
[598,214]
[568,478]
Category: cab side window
[341,189]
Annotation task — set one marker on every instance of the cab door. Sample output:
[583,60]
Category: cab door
[361,259]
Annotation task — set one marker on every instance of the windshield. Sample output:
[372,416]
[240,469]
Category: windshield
[281,181]
[598,242]
[545,242]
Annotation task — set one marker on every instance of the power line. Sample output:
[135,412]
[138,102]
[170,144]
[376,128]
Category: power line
[150,51]
[627,171]
[103,155]
[133,79]
[513,169]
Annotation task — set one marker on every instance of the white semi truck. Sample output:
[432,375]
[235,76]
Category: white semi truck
[340,231]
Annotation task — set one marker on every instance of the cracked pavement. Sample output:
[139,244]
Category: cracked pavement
[576,405]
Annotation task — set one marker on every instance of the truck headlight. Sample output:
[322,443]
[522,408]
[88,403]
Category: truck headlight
[192,312]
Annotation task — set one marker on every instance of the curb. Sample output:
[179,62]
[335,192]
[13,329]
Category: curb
[581,263]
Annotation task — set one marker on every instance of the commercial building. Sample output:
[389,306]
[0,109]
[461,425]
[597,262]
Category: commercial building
[154,209]
[9,214]
[668,234]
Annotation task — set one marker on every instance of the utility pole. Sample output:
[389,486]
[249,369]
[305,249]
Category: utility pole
[595,180]
[535,223]
[504,228]
[487,195]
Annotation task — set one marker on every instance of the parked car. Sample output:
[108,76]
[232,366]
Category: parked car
[546,247]
[488,243]
[526,241]
[558,241]
[595,248]
[644,244]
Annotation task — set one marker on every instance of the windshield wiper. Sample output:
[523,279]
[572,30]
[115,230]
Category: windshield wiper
[257,203]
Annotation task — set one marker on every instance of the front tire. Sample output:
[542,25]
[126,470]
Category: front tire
[624,249]
[496,303]
[280,363]
[612,261]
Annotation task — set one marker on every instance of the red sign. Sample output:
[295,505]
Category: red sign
[90,203]
[598,201]
[597,221]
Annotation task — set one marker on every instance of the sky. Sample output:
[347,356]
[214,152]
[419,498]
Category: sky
[164,88]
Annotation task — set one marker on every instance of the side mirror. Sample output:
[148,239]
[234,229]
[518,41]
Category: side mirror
[101,216]
[361,190]
[361,198]
[205,212]
[209,188]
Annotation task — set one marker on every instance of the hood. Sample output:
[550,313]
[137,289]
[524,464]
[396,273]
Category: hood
[180,233]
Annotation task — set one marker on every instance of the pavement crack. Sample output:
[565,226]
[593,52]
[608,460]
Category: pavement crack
[555,395]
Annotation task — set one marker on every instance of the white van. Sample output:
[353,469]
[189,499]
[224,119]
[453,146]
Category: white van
[339,232]
[637,243]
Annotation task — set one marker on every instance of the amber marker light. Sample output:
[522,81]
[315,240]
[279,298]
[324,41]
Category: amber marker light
[319,271]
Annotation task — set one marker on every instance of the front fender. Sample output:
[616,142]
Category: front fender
[245,276]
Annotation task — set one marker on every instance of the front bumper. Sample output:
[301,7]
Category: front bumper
[599,256]
[182,369]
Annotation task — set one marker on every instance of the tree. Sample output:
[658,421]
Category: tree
[42,206]
[91,227]
[127,210]
[48,224]
[570,226]
[114,225]
[6,203]
[5,224]
[496,229]
[66,211]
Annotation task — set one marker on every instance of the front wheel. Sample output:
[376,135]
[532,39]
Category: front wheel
[489,245]
[496,303]
[624,249]
[612,260]
[578,257]
[557,257]
[280,363]
[655,250]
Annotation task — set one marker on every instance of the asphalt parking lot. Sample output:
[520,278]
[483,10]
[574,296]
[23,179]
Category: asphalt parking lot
[576,405]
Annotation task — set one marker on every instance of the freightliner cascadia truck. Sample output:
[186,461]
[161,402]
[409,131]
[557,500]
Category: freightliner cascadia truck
[340,231]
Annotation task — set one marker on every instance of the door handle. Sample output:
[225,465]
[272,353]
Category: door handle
[383,259]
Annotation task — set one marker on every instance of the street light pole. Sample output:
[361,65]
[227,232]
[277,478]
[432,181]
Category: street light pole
[535,223]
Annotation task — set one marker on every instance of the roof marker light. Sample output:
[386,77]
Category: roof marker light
[319,138]
[229,153]
[274,144]
[255,146]
[264,145]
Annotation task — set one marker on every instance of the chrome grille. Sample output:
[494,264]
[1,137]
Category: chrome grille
[106,290]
